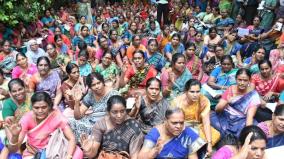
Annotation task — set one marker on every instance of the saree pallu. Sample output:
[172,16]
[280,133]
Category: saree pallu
[79,89]
[8,63]
[199,128]
[194,66]
[38,136]
[254,69]
[120,139]
[157,60]
[188,142]
[272,141]
[153,114]
[233,119]
[49,84]
[275,141]
[140,78]
[265,86]
[108,73]
[98,110]
[24,108]
[179,84]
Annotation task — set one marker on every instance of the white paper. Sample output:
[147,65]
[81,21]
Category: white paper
[274,153]
[278,26]
[271,106]
[39,40]
[210,90]
[130,103]
[67,27]
[242,32]
[261,5]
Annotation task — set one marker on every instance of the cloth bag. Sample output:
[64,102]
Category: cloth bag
[57,145]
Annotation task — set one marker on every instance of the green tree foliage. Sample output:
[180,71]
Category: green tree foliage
[11,11]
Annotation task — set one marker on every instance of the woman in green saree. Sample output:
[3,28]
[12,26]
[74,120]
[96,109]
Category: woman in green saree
[174,78]
[109,70]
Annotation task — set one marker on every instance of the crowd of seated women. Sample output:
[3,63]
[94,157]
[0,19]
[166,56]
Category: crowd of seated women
[121,83]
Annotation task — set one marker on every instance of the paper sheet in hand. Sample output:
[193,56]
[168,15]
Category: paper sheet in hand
[211,91]
[271,106]
[278,26]
[242,32]
[274,153]
[130,103]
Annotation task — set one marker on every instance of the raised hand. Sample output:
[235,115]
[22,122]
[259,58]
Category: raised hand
[246,147]
[86,143]
[15,129]
[138,99]
[171,77]
[158,147]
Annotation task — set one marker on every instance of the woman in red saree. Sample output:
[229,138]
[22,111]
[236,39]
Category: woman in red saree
[135,76]
[265,83]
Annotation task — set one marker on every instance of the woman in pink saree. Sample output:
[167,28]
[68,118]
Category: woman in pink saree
[37,125]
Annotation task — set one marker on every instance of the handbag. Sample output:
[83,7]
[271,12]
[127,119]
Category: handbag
[57,145]
[113,155]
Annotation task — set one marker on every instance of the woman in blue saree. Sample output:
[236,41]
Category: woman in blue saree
[237,106]
[220,79]
[274,129]
[171,139]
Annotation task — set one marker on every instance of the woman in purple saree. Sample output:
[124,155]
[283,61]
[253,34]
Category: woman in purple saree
[47,80]
[237,107]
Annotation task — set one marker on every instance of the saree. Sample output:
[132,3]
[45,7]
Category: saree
[233,118]
[194,113]
[49,84]
[222,79]
[24,108]
[85,69]
[225,152]
[126,137]
[38,135]
[275,141]
[181,146]
[108,73]
[8,63]
[178,85]
[275,58]
[194,65]
[98,110]
[153,114]
[157,60]
[272,141]
[264,86]
[79,89]
[140,77]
